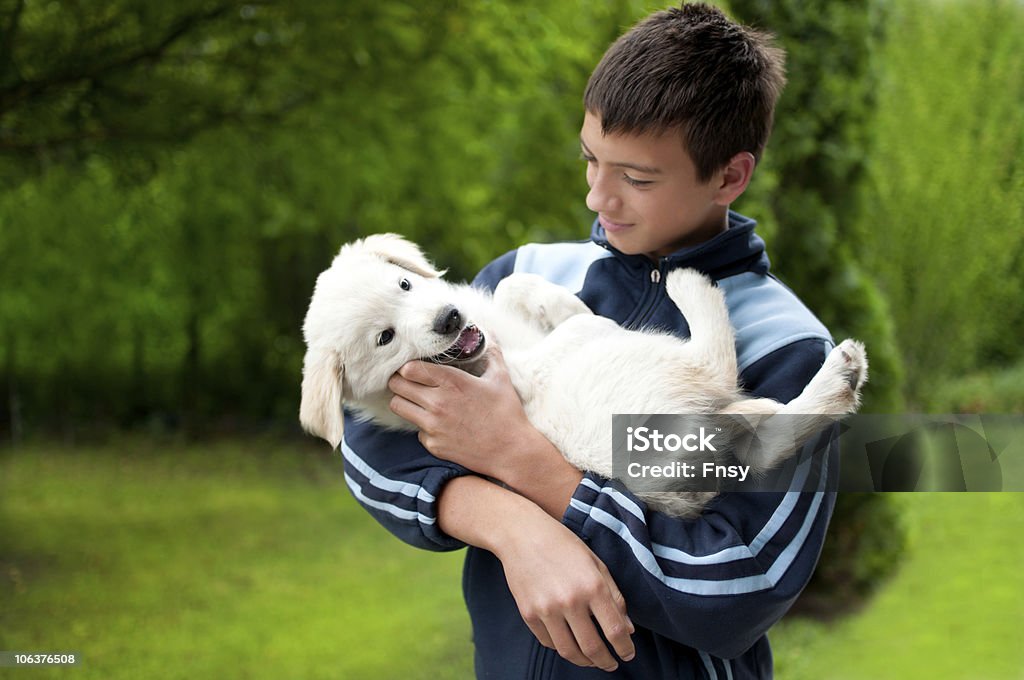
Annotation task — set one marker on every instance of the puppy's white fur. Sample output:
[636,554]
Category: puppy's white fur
[572,369]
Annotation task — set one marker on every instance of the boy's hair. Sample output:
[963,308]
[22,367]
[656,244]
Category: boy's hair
[693,69]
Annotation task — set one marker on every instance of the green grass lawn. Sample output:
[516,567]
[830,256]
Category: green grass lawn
[251,560]
[234,560]
[955,609]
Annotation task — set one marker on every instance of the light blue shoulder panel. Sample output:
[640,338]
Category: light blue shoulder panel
[766,316]
[563,263]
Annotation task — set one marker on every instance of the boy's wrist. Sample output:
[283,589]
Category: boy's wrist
[483,514]
[541,474]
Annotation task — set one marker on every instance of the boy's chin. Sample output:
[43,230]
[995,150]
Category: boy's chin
[628,246]
[653,251]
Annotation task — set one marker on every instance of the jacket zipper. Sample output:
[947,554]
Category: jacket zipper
[652,302]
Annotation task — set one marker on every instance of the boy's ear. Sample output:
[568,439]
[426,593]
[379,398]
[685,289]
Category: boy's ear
[320,411]
[398,251]
[734,177]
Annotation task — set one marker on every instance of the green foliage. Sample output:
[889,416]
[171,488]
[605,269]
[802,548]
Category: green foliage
[165,245]
[994,391]
[816,160]
[76,78]
[177,176]
[946,198]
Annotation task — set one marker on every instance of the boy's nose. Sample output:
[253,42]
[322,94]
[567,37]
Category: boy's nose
[600,200]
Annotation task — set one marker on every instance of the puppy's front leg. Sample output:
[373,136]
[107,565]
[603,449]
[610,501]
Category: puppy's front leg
[534,298]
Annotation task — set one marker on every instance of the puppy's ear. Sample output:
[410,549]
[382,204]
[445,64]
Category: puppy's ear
[320,411]
[398,251]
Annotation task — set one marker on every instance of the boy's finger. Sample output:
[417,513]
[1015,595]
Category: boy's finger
[616,627]
[590,642]
[406,389]
[541,633]
[411,411]
[564,641]
[617,597]
[423,372]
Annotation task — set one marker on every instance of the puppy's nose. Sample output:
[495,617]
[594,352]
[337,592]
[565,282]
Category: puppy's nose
[448,321]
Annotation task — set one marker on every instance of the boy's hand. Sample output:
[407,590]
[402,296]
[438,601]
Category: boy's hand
[479,423]
[561,588]
[472,421]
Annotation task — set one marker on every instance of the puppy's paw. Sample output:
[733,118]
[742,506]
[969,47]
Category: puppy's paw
[536,299]
[852,362]
[842,377]
[519,286]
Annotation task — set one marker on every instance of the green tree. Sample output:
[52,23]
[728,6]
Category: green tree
[947,188]
[817,165]
[816,161]
[78,77]
[197,165]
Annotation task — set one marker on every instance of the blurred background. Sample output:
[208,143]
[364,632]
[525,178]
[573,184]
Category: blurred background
[175,175]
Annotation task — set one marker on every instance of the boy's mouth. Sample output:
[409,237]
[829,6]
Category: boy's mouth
[611,226]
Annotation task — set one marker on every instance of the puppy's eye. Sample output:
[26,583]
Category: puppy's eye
[405,284]
[385,337]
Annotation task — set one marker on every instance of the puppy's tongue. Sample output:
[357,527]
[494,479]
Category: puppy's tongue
[468,340]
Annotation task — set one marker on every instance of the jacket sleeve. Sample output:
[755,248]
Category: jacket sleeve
[717,583]
[397,480]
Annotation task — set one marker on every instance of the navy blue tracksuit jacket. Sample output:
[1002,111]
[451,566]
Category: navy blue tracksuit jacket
[703,592]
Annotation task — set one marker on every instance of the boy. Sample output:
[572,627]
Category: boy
[676,115]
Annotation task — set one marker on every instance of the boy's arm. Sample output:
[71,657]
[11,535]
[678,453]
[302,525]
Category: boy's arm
[563,592]
[561,588]
[715,583]
[398,482]
[436,505]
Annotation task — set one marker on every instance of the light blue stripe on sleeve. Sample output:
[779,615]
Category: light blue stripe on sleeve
[646,558]
[742,552]
[766,316]
[563,263]
[383,483]
[389,508]
[736,586]
[622,499]
[732,554]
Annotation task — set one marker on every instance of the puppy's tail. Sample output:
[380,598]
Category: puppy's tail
[703,306]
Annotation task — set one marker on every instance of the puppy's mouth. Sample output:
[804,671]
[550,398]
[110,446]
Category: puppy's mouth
[468,346]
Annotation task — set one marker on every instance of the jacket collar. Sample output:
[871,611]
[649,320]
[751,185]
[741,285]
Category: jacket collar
[737,249]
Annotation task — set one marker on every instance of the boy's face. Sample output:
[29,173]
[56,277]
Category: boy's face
[645,191]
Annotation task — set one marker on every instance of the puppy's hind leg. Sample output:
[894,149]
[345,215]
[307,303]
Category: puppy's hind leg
[833,392]
[712,340]
[835,388]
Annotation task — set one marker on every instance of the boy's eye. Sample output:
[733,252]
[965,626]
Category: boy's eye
[385,337]
[584,156]
[636,182]
[405,284]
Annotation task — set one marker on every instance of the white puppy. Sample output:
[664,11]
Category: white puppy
[382,303]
